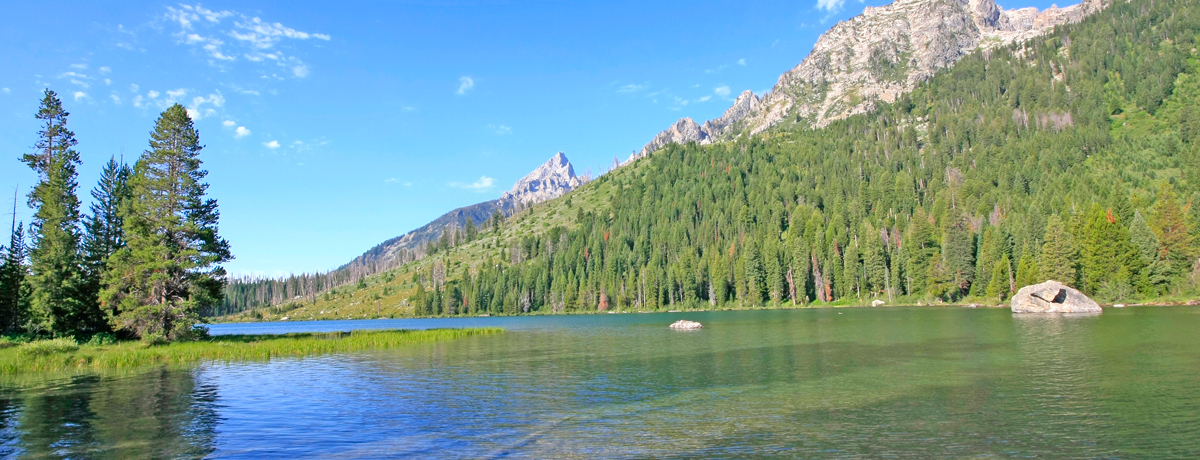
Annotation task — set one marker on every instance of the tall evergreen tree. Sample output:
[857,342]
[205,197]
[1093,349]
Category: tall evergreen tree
[104,234]
[1173,231]
[169,268]
[58,303]
[14,295]
[1058,253]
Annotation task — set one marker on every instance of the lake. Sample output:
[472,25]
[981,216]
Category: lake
[819,383]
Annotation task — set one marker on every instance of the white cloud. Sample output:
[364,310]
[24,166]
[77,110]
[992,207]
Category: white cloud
[500,129]
[632,88]
[6,90]
[830,6]
[228,123]
[465,84]
[116,99]
[393,180]
[241,132]
[105,69]
[197,109]
[483,184]
[107,81]
[705,98]
[721,91]
[80,95]
[137,101]
[152,94]
[271,145]
[79,66]
[133,88]
[742,62]
[717,70]
[175,94]
[249,37]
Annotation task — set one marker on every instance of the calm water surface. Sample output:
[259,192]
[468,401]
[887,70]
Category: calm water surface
[894,382]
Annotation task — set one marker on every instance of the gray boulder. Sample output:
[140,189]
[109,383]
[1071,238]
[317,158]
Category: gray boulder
[1052,297]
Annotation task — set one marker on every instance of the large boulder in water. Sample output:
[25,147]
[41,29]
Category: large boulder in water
[684,324]
[1052,297]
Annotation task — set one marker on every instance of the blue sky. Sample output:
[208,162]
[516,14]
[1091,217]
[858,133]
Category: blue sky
[332,126]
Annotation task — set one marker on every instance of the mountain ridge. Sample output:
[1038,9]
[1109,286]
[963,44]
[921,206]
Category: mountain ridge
[873,57]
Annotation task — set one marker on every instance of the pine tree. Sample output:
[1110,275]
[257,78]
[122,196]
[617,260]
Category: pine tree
[1143,238]
[104,226]
[958,250]
[1027,271]
[1059,253]
[1109,259]
[1173,230]
[998,288]
[58,303]
[14,291]
[168,270]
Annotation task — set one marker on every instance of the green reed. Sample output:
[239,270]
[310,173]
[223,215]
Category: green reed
[46,357]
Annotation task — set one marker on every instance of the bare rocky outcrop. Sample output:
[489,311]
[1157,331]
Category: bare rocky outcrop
[550,180]
[876,56]
[1052,297]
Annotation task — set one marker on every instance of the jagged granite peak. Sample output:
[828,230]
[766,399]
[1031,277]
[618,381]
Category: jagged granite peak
[875,56]
[888,50]
[687,130]
[550,180]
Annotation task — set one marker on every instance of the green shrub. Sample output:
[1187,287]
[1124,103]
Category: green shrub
[102,338]
[48,347]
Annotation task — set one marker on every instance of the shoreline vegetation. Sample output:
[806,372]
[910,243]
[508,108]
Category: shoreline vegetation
[64,354]
[247,317]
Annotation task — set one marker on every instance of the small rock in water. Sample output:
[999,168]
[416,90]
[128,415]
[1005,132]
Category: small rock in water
[1119,305]
[1052,297]
[685,324]
[877,302]
[283,319]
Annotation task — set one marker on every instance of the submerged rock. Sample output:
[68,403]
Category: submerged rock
[1052,297]
[685,324]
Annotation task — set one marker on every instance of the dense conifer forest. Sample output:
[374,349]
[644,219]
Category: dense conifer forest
[1073,157]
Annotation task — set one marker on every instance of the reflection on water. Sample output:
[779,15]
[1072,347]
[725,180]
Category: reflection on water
[156,414]
[912,383]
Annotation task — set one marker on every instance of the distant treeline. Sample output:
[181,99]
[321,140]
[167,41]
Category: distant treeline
[250,292]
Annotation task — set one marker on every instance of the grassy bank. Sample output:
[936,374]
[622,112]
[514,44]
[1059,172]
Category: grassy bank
[64,354]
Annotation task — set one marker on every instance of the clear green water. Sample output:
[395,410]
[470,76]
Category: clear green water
[845,383]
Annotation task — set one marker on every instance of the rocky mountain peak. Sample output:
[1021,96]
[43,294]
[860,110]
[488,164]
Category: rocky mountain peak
[553,178]
[875,56]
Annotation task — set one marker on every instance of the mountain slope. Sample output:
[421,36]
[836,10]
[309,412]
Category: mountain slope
[874,57]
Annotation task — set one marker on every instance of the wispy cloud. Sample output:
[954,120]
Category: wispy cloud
[482,185]
[80,95]
[116,99]
[393,180]
[704,99]
[79,66]
[248,38]
[6,90]
[241,132]
[633,88]
[830,6]
[716,70]
[722,91]
[465,84]
[271,145]
[742,62]
[500,130]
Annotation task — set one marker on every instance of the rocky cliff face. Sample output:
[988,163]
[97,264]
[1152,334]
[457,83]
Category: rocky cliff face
[876,56]
[550,180]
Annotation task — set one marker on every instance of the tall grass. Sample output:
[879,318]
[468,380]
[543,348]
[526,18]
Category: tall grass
[46,357]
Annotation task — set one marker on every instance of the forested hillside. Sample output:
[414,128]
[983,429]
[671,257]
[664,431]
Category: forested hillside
[1074,157]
